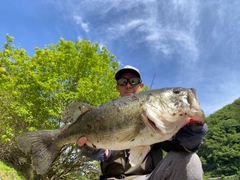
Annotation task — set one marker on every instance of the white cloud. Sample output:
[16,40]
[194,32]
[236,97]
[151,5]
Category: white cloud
[156,32]
[78,20]
[79,37]
[156,28]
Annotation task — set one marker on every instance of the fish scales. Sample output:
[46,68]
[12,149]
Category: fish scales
[100,123]
[128,122]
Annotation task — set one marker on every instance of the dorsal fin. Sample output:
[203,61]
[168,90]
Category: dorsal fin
[73,111]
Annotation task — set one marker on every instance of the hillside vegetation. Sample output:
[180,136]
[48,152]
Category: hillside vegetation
[9,173]
[221,152]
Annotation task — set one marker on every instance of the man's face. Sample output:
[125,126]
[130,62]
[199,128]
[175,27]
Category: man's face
[129,89]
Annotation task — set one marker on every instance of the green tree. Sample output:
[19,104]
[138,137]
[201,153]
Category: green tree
[221,152]
[35,89]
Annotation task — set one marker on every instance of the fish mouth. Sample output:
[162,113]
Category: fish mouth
[153,125]
[199,119]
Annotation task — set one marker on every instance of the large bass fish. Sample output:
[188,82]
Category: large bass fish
[126,123]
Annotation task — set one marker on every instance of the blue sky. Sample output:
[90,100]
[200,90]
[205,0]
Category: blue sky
[185,43]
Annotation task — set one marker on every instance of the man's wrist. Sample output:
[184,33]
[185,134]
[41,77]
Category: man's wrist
[194,149]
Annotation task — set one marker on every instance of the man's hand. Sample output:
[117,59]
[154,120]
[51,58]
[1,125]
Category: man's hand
[97,154]
[81,141]
[191,135]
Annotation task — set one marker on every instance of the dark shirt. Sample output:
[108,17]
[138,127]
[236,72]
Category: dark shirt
[189,138]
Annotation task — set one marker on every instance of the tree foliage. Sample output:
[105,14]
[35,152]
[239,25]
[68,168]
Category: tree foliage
[35,89]
[221,152]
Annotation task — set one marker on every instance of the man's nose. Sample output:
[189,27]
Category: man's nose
[128,85]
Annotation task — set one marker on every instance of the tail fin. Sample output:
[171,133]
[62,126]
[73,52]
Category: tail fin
[39,145]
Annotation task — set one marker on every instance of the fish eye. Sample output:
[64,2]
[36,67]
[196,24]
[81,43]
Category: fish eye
[176,91]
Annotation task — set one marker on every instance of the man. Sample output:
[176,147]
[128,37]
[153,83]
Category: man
[180,163]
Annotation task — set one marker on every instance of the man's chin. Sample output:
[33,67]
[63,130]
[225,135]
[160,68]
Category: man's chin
[129,94]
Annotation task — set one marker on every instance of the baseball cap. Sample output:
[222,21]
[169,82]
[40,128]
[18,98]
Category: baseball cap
[127,69]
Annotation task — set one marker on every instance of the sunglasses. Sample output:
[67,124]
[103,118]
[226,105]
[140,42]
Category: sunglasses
[132,81]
